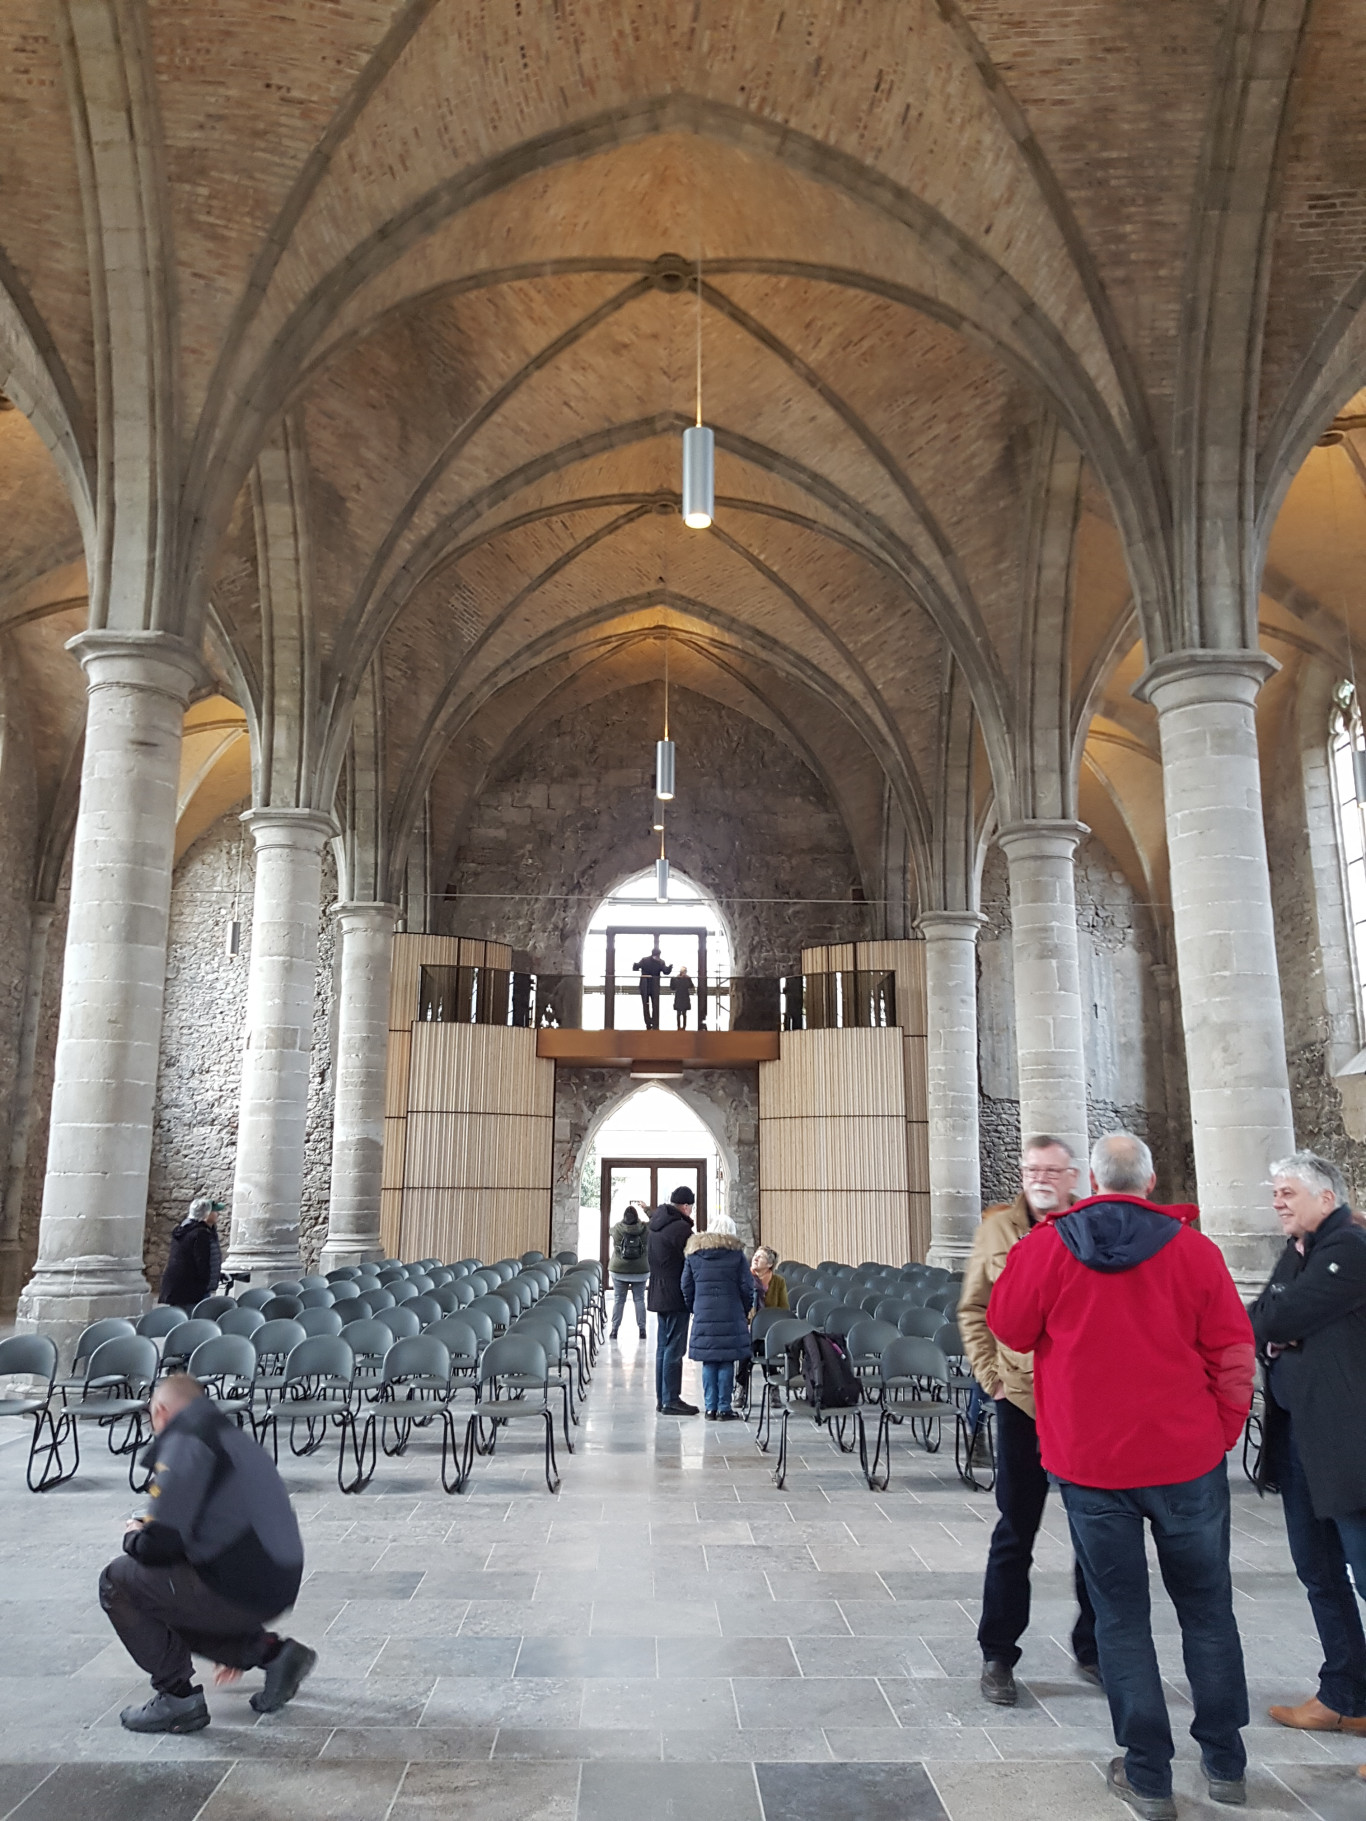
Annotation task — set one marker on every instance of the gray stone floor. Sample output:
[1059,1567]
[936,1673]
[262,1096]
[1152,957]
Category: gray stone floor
[669,1637]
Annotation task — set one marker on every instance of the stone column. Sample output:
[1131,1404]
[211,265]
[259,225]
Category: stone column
[1048,1019]
[951,1082]
[108,1037]
[268,1185]
[21,1113]
[367,940]
[1225,944]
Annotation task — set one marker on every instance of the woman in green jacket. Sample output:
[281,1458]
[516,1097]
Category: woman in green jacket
[629,1267]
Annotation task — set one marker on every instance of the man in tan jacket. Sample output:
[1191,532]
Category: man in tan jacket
[1048,1176]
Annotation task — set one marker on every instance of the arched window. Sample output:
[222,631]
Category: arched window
[690,933]
[1347,763]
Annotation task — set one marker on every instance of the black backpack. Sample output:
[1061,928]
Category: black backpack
[831,1382]
[631,1243]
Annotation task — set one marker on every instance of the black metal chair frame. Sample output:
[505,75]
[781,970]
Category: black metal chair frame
[25,1347]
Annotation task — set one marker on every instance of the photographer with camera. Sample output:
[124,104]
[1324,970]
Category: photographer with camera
[196,1260]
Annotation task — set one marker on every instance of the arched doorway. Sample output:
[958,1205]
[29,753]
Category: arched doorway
[645,1146]
[690,934]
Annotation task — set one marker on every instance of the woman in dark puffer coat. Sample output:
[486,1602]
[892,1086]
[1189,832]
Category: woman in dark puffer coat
[719,1289]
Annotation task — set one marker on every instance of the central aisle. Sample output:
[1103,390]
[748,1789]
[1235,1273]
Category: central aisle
[669,1637]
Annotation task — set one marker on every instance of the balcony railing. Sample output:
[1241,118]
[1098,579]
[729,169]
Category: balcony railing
[740,1002]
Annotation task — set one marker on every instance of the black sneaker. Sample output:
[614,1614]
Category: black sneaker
[168,1713]
[1150,1808]
[643,1335]
[678,1408]
[728,1416]
[710,1415]
[998,1683]
[284,1674]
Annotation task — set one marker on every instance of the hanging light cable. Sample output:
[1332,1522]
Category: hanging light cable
[699,447]
[664,749]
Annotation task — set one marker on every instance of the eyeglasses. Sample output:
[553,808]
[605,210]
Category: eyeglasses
[1037,1169]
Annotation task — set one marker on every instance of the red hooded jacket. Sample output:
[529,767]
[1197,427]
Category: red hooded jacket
[1143,1352]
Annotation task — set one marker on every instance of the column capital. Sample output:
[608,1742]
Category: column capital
[157,661]
[1185,679]
[943,925]
[1041,840]
[300,828]
[360,915]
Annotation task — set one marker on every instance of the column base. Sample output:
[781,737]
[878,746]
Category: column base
[338,1253]
[63,1299]
[948,1257]
[267,1265]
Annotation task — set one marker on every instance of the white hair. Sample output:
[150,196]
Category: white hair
[1122,1163]
[1315,1172]
[721,1223]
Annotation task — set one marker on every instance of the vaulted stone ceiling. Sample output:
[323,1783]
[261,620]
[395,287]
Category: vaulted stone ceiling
[1003,308]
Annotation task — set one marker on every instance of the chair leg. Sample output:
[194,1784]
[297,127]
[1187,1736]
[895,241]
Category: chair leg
[780,1471]
[568,1439]
[362,1442]
[58,1428]
[552,1471]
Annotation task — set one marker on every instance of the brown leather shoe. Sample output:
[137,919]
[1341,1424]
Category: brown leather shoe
[1313,1716]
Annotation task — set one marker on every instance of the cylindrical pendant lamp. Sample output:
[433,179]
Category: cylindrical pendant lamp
[664,770]
[699,492]
[661,880]
[1359,774]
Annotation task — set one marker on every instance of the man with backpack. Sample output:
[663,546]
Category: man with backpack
[629,1267]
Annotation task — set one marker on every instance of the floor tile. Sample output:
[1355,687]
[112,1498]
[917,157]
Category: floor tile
[668,1792]
[848,1792]
[592,1656]
[502,1792]
[316,1792]
[122,1792]
[1023,1792]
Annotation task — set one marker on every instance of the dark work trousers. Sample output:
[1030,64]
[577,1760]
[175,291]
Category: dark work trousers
[1190,1526]
[1021,1490]
[649,1000]
[162,1614]
[1321,1563]
[671,1340]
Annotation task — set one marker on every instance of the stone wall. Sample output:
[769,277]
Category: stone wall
[726,1100]
[194,1143]
[1124,1065]
[566,820]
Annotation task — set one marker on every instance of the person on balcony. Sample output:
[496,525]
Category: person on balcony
[683,986]
[650,970]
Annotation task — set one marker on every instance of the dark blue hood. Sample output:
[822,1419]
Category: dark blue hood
[1115,1235]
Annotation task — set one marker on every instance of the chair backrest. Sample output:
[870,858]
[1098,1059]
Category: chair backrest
[181,1342]
[316,1298]
[281,1308]
[517,1293]
[131,1358]
[323,1356]
[112,1327]
[816,1311]
[421,1282]
[764,1320]
[457,1336]
[401,1322]
[320,1321]
[780,1336]
[870,1300]
[480,1321]
[404,1291]
[870,1338]
[440,1275]
[445,1298]
[345,1291]
[352,1312]
[533,1258]
[841,1320]
[507,1268]
[29,1355]
[920,1321]
[538,1327]
[160,1320]
[948,1340]
[344,1274]
[496,1308]
[936,1274]
[426,1308]
[542,1275]
[213,1306]
[422,1356]
[368,1339]
[379,1298]
[803,1300]
[230,1356]
[287,1286]
[254,1298]
[912,1357]
[945,1299]
[516,1356]
[277,1339]
[566,1259]
[889,1308]
[484,1281]
[555,1313]
[241,1321]
[464,1291]
[312,1281]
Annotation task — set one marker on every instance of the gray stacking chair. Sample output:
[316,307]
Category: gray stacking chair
[157,1323]
[241,1321]
[181,1342]
[344,1292]
[921,1322]
[320,1320]
[226,1368]
[461,1342]
[114,1393]
[417,1389]
[282,1308]
[109,1327]
[255,1298]
[915,1387]
[511,1373]
[401,1321]
[317,1297]
[34,1356]
[426,1308]
[212,1307]
[319,1393]
[273,1342]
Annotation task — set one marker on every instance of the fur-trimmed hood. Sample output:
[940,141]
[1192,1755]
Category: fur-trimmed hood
[710,1242]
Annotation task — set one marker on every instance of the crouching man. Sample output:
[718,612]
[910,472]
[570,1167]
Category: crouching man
[217,1554]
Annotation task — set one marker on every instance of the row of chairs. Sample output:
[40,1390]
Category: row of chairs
[336,1353]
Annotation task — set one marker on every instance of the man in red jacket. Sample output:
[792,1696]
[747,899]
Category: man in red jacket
[1143,1370]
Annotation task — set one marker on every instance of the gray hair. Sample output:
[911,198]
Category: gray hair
[1044,1141]
[1315,1172]
[765,1255]
[1122,1163]
[200,1206]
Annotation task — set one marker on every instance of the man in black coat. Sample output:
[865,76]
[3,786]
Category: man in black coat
[1310,1324]
[195,1259]
[670,1231]
[650,970]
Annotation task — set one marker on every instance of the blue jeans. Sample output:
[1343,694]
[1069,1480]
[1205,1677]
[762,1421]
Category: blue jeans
[671,1339]
[718,1384]
[624,1287]
[1190,1524]
[1317,1550]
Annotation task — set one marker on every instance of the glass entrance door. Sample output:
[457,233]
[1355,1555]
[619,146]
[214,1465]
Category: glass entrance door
[648,1181]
